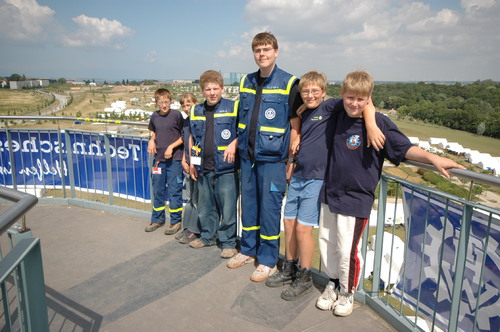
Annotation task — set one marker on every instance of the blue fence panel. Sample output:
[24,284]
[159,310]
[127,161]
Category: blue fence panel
[41,160]
[434,227]
[35,158]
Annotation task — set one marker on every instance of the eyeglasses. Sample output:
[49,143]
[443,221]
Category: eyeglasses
[314,92]
[163,102]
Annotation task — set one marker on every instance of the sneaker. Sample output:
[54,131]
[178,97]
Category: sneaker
[301,286]
[283,277]
[181,234]
[228,252]
[153,226]
[239,260]
[196,244]
[344,305]
[262,272]
[328,298]
[188,238]
[172,228]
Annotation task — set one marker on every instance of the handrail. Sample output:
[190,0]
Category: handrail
[72,118]
[24,203]
[462,173]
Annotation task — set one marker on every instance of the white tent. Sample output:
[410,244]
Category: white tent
[468,155]
[392,258]
[414,140]
[424,145]
[489,164]
[394,214]
[435,140]
[454,148]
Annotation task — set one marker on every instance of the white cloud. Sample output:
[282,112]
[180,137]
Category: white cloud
[383,35]
[473,6]
[97,32]
[151,57]
[24,20]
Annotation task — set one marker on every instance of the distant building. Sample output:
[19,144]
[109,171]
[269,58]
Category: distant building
[232,78]
[15,85]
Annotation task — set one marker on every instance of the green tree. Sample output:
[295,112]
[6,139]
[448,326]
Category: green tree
[17,77]
[481,127]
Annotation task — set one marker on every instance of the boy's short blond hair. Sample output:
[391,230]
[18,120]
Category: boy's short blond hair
[188,97]
[313,77]
[358,82]
[162,92]
[264,38]
[211,76]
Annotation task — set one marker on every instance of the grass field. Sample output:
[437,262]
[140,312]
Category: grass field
[20,102]
[472,141]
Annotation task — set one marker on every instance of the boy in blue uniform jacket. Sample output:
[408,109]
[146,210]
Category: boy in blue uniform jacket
[268,99]
[214,164]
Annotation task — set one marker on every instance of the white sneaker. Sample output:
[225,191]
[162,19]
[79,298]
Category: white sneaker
[262,272]
[328,298]
[344,305]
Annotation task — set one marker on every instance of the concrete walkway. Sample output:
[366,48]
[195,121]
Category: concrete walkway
[104,273]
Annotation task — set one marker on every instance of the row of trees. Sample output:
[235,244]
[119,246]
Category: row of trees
[473,107]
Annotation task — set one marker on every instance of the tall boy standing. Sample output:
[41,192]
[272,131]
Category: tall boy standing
[213,145]
[166,147]
[347,195]
[267,99]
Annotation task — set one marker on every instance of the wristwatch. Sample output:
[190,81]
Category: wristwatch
[291,160]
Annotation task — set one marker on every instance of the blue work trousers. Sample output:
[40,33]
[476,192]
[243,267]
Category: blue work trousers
[217,197]
[263,186]
[171,175]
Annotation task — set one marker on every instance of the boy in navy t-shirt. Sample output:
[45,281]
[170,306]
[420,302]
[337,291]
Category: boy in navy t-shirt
[347,195]
[302,203]
[166,145]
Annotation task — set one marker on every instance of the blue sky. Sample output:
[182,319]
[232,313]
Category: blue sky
[395,40]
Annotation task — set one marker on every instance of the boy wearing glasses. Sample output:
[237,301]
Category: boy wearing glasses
[268,100]
[302,204]
[166,145]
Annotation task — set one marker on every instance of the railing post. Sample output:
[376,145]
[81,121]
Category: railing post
[460,267]
[12,160]
[71,171]
[109,170]
[61,162]
[34,284]
[379,235]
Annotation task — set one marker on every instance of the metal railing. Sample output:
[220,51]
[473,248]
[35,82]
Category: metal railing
[108,169]
[21,273]
[437,270]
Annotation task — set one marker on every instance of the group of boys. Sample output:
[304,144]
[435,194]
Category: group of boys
[335,150]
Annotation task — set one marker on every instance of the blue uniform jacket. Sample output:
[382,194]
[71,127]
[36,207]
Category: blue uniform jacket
[273,127]
[225,123]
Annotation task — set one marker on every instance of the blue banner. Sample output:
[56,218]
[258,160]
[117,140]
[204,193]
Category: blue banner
[436,244]
[41,159]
